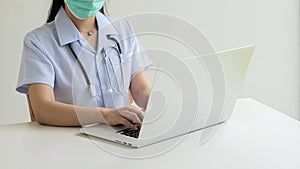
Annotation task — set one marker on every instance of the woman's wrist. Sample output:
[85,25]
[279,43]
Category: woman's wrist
[105,113]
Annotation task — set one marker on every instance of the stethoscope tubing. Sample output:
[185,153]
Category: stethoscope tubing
[92,89]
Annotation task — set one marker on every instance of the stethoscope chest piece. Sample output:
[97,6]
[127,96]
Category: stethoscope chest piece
[92,90]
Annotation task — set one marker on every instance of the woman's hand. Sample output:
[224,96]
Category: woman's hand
[128,116]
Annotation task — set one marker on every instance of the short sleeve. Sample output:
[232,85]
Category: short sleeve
[140,59]
[35,66]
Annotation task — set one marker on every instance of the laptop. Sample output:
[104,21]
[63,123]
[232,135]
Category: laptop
[187,95]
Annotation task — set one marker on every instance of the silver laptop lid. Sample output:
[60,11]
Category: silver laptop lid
[194,93]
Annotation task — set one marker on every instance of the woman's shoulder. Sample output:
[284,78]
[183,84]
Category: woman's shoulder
[44,31]
[121,24]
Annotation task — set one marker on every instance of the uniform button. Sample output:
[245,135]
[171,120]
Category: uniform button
[104,87]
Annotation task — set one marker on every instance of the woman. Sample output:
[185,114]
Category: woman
[51,56]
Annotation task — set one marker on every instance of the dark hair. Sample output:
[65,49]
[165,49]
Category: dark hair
[56,5]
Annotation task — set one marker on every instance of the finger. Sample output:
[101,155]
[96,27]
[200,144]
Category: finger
[134,110]
[138,112]
[128,124]
[139,125]
[131,116]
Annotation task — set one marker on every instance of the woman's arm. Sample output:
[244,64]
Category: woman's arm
[48,111]
[140,89]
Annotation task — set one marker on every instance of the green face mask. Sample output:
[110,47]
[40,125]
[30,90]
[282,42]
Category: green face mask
[83,9]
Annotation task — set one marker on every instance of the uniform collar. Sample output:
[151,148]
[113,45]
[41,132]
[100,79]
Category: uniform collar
[104,24]
[66,30]
[68,33]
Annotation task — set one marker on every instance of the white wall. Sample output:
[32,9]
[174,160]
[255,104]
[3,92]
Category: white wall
[272,25]
[17,18]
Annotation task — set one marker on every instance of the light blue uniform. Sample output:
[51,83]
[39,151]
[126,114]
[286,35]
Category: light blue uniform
[48,60]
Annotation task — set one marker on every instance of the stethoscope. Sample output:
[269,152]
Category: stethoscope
[91,87]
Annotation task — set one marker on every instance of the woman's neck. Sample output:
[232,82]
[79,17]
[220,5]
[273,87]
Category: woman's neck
[84,25]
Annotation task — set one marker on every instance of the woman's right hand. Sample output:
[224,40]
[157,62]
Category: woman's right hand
[128,116]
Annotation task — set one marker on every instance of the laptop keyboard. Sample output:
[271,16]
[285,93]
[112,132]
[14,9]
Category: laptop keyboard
[129,132]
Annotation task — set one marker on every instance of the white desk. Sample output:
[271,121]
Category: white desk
[256,137]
